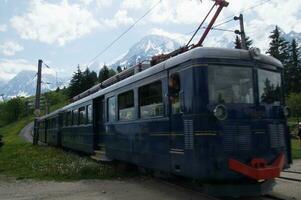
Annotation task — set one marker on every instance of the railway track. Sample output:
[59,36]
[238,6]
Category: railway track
[291,176]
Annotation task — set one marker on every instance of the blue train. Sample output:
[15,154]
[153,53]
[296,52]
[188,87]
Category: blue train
[211,114]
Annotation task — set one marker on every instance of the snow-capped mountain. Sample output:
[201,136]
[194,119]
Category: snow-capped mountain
[24,84]
[147,47]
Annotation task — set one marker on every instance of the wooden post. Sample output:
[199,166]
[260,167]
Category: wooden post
[37,103]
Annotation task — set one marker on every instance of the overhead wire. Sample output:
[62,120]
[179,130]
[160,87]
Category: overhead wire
[194,31]
[124,32]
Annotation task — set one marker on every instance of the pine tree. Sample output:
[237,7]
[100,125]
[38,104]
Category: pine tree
[279,49]
[89,79]
[75,86]
[278,46]
[104,74]
[237,43]
[249,42]
[294,71]
[119,69]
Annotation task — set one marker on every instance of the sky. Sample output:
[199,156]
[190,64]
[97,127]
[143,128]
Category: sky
[67,33]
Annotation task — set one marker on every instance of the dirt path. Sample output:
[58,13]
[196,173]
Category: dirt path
[26,132]
[130,189]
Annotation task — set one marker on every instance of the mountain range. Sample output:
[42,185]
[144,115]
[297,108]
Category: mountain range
[143,50]
[24,84]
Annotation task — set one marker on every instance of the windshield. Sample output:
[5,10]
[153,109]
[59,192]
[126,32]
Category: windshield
[230,84]
[269,84]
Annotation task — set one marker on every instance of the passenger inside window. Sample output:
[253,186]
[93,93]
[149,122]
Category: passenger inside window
[174,86]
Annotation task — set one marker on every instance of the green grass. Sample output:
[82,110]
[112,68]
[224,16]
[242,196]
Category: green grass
[23,160]
[296,149]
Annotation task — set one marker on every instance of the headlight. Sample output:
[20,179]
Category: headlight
[286,111]
[220,112]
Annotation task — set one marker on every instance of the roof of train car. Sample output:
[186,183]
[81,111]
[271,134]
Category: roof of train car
[200,52]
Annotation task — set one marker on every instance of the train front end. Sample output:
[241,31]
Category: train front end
[248,115]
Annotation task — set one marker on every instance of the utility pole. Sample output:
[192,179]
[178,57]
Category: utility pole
[37,103]
[242,31]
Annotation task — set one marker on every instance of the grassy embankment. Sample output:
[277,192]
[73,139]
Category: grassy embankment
[23,160]
[296,149]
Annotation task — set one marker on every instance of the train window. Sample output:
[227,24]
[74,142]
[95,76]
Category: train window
[126,107]
[89,114]
[82,115]
[111,109]
[269,84]
[174,88]
[150,100]
[75,117]
[69,119]
[230,84]
[53,123]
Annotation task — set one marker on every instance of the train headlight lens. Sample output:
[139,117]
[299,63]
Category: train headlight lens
[220,112]
[286,111]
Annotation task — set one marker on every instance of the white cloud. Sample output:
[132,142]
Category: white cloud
[3,27]
[120,18]
[10,48]
[11,67]
[132,4]
[99,3]
[180,38]
[285,15]
[54,23]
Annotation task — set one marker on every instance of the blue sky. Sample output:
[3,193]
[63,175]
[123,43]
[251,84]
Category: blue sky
[67,33]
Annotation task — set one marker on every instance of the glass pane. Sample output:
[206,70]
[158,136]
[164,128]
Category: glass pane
[89,114]
[151,104]
[230,84]
[74,117]
[69,118]
[174,88]
[82,115]
[269,84]
[126,105]
[111,109]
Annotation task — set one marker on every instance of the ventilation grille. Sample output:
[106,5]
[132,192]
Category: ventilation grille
[276,135]
[237,138]
[188,131]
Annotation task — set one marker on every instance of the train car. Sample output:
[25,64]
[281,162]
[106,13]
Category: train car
[42,131]
[77,131]
[50,129]
[211,114]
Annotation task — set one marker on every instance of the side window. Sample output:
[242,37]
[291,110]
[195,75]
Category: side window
[75,117]
[174,88]
[69,119]
[150,100]
[126,109]
[54,123]
[82,115]
[111,109]
[89,114]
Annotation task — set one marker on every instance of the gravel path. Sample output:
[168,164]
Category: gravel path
[129,189]
[26,132]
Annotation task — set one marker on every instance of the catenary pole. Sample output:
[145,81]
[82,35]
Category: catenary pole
[37,102]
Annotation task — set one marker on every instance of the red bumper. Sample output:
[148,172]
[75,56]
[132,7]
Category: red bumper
[259,170]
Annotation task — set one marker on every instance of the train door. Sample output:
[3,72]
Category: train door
[99,129]
[175,95]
